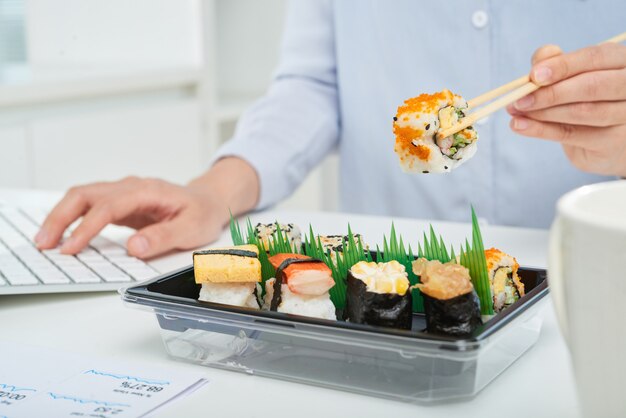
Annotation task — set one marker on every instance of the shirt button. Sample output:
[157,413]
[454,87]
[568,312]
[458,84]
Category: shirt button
[480,18]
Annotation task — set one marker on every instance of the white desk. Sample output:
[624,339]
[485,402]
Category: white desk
[540,384]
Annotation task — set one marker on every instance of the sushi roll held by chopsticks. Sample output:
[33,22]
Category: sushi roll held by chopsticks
[506,286]
[451,305]
[416,125]
[379,294]
[300,287]
[228,275]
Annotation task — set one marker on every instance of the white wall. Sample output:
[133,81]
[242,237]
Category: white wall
[113,32]
[248,49]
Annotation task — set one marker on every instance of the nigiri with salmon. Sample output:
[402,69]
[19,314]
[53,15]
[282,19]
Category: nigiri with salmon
[300,287]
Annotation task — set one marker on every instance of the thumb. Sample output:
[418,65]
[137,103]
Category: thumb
[156,238]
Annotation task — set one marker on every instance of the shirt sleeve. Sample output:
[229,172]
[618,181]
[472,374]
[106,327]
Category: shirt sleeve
[288,132]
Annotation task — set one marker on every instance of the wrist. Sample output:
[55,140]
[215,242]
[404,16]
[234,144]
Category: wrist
[232,183]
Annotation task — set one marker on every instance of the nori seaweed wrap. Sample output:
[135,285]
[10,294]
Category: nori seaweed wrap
[451,305]
[458,316]
[378,294]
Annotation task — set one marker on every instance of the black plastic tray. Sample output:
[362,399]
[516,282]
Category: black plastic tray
[179,288]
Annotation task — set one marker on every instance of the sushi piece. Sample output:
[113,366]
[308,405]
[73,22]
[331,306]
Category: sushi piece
[228,275]
[379,294]
[451,305]
[300,287]
[334,244]
[506,286]
[416,125]
[265,232]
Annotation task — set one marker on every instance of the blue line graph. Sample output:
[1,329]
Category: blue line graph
[13,388]
[121,376]
[57,396]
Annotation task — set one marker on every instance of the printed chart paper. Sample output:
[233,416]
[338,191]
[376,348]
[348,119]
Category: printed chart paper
[42,382]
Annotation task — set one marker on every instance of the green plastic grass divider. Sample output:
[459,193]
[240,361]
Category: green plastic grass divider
[431,247]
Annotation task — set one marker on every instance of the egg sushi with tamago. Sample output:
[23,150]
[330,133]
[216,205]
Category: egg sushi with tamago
[228,275]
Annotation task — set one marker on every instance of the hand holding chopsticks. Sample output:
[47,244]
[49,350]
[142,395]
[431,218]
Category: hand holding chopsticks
[512,91]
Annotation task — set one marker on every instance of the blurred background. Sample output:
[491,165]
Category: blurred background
[95,90]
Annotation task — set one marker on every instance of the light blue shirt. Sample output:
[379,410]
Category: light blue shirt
[348,64]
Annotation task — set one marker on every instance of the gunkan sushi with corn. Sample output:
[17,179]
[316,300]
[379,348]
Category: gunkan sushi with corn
[416,125]
[300,287]
[265,232]
[379,294]
[506,286]
[228,275]
[451,305]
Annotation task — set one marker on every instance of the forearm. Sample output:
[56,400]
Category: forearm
[232,181]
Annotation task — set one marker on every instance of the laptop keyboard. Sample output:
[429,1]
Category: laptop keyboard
[22,264]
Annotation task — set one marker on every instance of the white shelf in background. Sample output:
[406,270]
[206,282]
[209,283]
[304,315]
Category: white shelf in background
[24,85]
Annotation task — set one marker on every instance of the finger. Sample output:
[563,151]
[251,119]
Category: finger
[545,52]
[513,111]
[588,87]
[600,114]
[581,136]
[161,237]
[601,57]
[99,216]
[72,206]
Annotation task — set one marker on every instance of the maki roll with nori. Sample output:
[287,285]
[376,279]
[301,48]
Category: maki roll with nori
[451,305]
[300,287]
[506,286]
[379,294]
[228,275]
[416,126]
[334,244]
[265,234]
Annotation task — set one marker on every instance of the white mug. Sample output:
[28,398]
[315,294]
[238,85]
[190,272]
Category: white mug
[587,278]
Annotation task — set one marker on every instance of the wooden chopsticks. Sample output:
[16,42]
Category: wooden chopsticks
[518,88]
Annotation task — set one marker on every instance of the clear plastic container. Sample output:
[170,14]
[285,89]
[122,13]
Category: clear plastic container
[411,366]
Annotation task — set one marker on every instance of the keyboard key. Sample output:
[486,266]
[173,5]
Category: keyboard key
[107,247]
[25,278]
[82,275]
[52,277]
[142,274]
[20,222]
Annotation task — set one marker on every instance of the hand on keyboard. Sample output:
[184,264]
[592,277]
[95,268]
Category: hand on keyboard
[167,216]
[103,265]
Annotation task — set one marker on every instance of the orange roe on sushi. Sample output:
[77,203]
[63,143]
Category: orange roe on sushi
[425,102]
[422,152]
[404,136]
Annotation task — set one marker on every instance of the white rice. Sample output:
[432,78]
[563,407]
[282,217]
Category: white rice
[236,294]
[292,303]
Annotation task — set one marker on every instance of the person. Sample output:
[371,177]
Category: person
[345,67]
